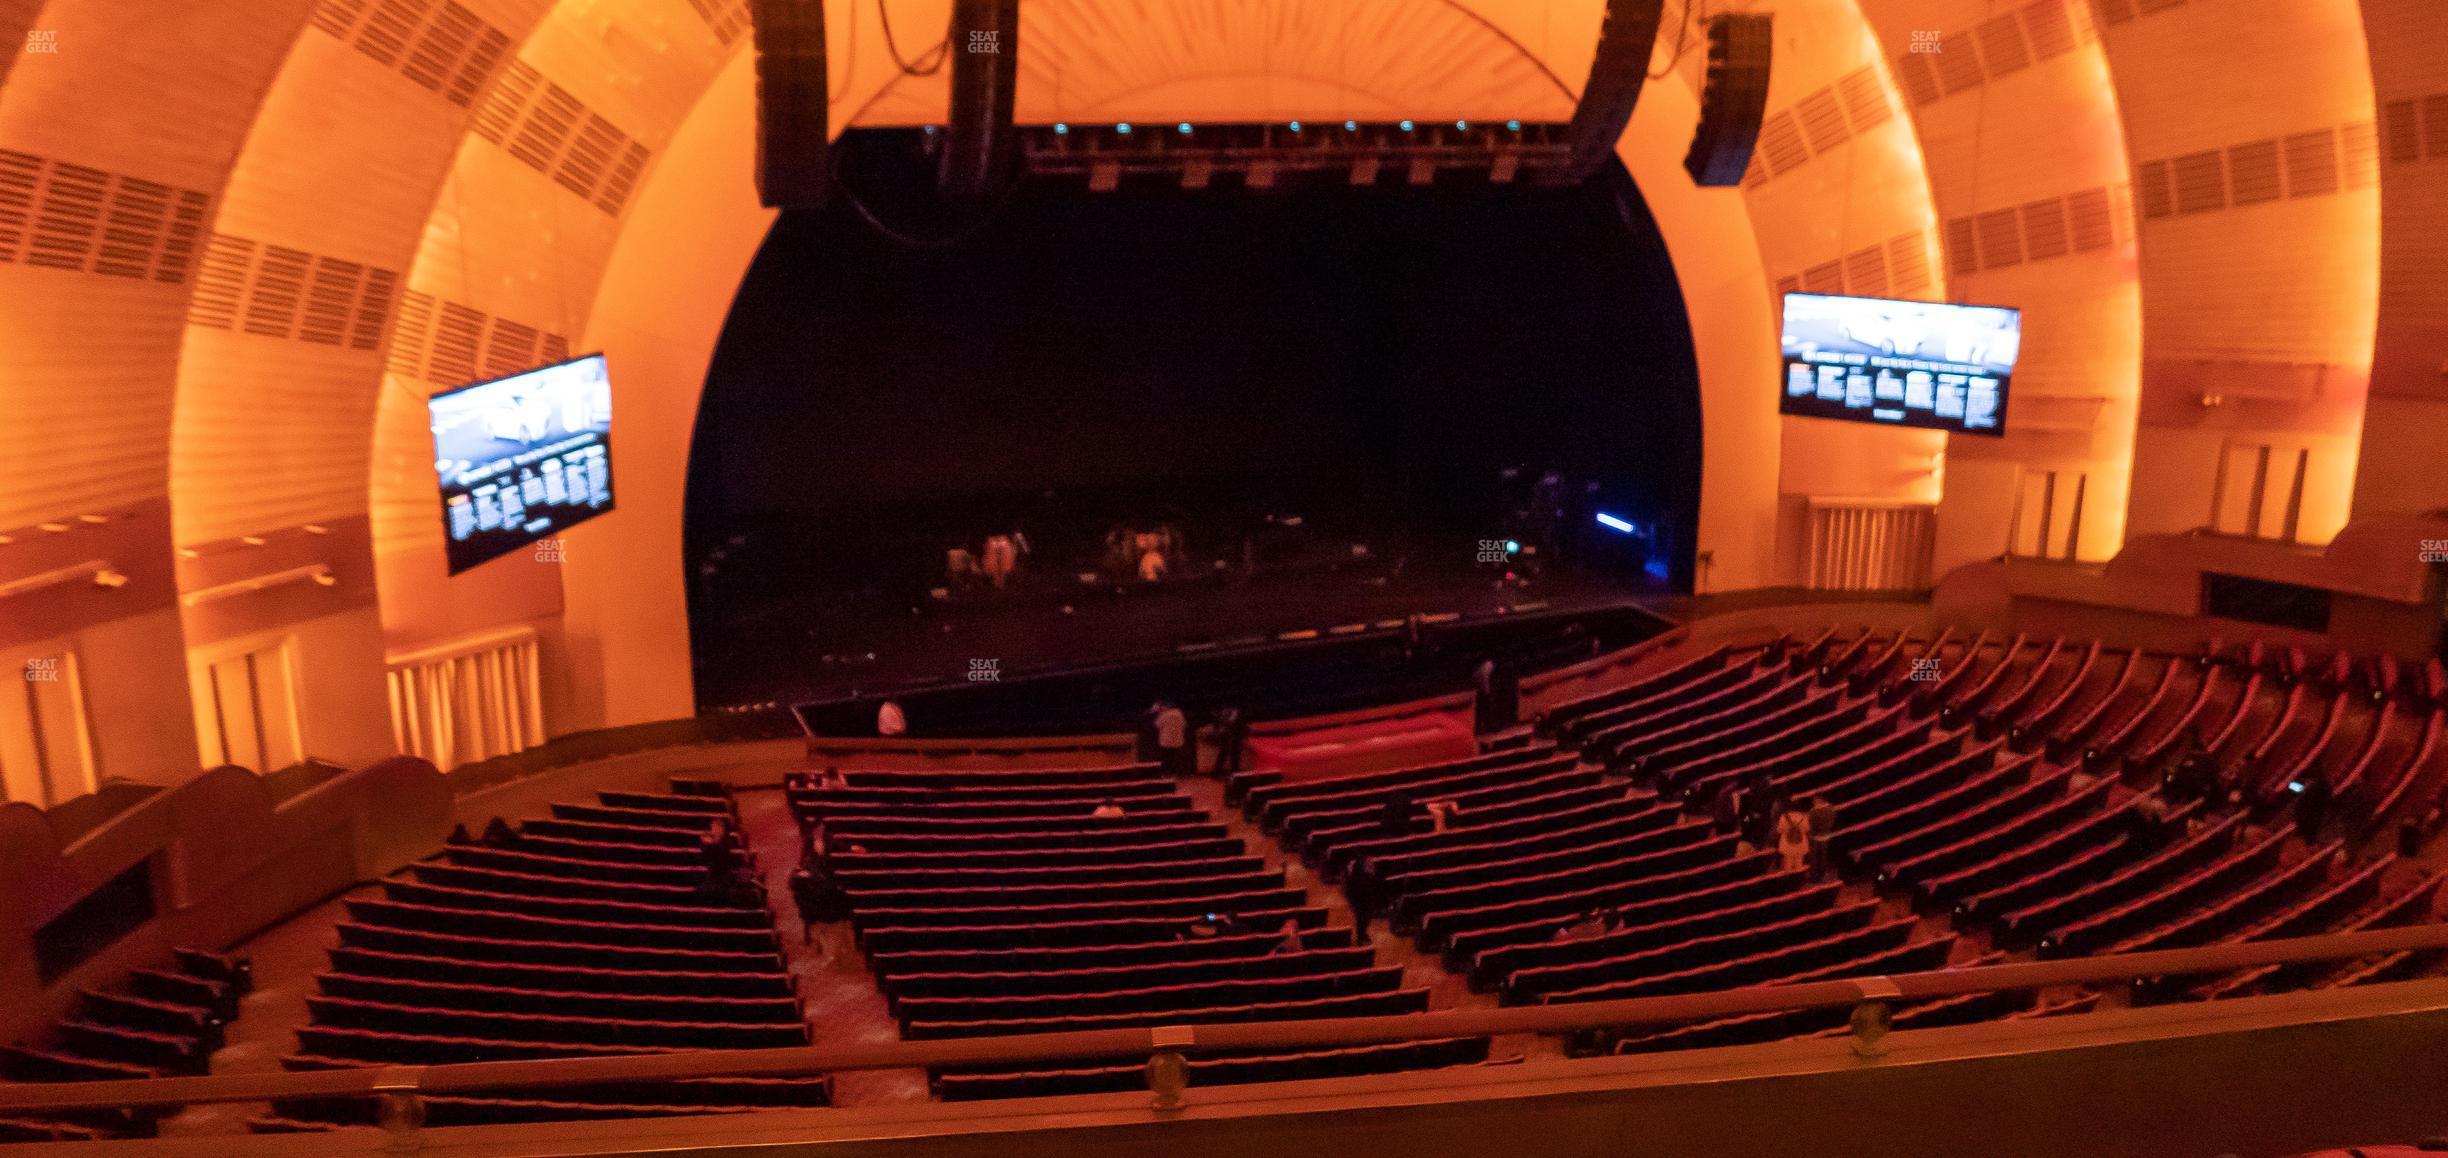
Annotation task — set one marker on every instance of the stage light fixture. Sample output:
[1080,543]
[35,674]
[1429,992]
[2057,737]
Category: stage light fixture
[1351,126]
[1184,127]
[1406,126]
[1462,126]
[1123,128]
[1061,128]
[1611,522]
[1294,126]
[1512,126]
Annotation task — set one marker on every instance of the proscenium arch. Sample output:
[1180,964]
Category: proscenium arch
[91,358]
[668,286]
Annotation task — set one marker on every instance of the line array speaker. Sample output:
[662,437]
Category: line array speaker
[793,130]
[985,72]
[1740,45]
[1617,72]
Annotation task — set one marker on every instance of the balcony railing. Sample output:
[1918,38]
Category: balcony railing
[401,1088]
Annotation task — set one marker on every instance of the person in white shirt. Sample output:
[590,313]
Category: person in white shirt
[1173,741]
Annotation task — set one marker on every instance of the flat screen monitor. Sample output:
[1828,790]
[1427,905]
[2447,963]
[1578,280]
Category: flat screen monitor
[1930,365]
[522,458]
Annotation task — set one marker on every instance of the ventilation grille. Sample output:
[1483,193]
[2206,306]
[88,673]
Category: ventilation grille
[2000,46]
[1858,546]
[1818,123]
[450,344]
[62,216]
[2413,130]
[727,18]
[443,48]
[2312,164]
[2054,227]
[554,133]
[2120,11]
[273,291]
[1896,269]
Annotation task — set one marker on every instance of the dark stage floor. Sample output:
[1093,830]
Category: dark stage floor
[828,646]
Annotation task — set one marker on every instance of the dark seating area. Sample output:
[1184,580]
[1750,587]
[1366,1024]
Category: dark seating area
[614,927]
[157,1022]
[2005,794]
[1017,910]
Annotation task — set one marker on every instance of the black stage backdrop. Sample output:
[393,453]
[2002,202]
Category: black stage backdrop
[1371,360]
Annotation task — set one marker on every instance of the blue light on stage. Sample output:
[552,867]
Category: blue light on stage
[1512,547]
[1513,126]
[1406,126]
[1351,126]
[1462,125]
[1061,128]
[1295,126]
[1613,523]
[1184,127]
[1123,128]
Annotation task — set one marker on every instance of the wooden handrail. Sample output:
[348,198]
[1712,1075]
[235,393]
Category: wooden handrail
[475,1077]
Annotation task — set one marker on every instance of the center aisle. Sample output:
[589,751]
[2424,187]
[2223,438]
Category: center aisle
[839,998]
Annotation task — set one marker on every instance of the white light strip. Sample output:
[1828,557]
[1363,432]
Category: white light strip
[85,572]
[318,573]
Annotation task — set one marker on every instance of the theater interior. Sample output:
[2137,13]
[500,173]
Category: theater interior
[1224,577]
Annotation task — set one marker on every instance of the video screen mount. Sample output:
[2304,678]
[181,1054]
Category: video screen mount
[522,458]
[1927,365]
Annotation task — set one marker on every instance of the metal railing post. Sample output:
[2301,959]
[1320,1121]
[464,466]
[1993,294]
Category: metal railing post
[1168,1072]
[401,1111]
[1873,1018]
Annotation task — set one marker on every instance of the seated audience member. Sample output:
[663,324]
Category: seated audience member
[2145,824]
[1209,926]
[1106,809]
[1589,924]
[890,722]
[2312,796]
[1287,938]
[499,834]
[459,835]
[1151,566]
[1725,808]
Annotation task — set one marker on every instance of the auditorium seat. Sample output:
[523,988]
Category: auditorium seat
[595,931]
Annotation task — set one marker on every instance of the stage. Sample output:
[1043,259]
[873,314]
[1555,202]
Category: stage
[831,646]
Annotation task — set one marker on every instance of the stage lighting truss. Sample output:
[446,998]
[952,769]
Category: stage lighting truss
[1265,156]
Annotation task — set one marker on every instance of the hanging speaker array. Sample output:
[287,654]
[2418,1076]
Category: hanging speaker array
[794,132]
[1736,98]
